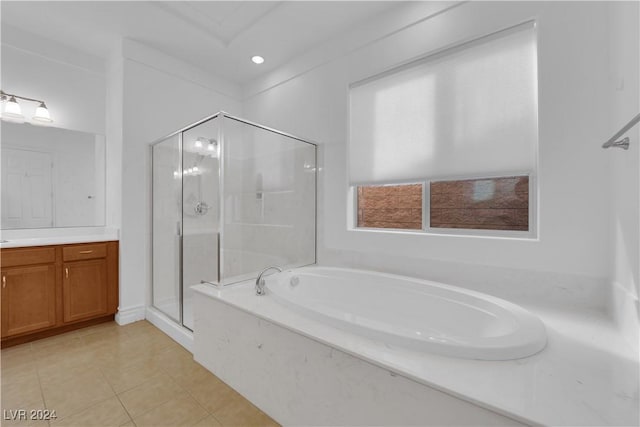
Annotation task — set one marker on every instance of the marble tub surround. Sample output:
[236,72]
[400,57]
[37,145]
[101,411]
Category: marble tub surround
[56,236]
[302,382]
[585,376]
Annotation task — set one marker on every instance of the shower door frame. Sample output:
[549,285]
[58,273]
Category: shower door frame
[221,144]
[180,320]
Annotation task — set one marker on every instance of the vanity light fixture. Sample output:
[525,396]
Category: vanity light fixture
[12,109]
[42,114]
[257,59]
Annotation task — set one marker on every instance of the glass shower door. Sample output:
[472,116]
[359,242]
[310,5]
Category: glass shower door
[200,210]
[167,226]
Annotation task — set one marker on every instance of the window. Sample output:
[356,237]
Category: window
[481,204]
[390,206]
[470,113]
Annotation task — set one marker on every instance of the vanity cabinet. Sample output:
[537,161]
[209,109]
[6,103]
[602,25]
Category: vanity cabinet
[28,299]
[48,290]
[85,288]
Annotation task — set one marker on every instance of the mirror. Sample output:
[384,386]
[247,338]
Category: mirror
[51,177]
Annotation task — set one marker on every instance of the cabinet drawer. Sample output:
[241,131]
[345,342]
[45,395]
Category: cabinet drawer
[80,252]
[28,256]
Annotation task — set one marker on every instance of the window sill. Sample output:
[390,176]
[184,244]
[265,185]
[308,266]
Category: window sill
[528,236]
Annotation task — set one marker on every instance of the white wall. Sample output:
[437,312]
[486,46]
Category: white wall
[160,95]
[624,61]
[71,83]
[113,152]
[309,98]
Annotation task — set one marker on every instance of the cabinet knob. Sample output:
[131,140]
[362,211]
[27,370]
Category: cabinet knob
[4,281]
[66,272]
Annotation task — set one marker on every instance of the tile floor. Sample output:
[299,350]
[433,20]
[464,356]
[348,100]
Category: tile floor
[111,375]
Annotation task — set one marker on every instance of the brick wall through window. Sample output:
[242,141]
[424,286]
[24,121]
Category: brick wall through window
[481,204]
[390,206]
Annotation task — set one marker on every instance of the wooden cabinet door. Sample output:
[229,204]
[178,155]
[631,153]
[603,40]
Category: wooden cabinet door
[84,289]
[28,299]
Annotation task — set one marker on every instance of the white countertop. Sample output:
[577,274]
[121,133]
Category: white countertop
[587,374]
[56,236]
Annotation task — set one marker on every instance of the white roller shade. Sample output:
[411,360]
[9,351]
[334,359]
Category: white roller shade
[468,111]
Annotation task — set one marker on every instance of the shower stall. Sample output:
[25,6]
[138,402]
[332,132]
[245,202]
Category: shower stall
[229,199]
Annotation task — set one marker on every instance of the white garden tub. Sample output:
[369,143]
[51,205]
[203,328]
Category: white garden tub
[415,314]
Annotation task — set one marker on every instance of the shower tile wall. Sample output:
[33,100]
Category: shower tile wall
[269,201]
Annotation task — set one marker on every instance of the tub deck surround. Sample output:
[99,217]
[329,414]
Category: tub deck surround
[586,375]
[419,315]
[301,382]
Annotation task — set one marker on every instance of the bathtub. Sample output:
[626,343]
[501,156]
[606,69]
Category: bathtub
[418,315]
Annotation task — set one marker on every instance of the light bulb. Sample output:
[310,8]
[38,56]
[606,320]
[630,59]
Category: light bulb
[12,109]
[198,143]
[212,148]
[42,114]
[257,59]
[194,169]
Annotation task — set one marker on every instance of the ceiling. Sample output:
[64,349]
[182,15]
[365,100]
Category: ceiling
[217,36]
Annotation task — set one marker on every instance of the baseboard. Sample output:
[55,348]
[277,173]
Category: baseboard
[130,315]
[181,335]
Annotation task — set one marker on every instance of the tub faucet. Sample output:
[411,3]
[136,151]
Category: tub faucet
[260,280]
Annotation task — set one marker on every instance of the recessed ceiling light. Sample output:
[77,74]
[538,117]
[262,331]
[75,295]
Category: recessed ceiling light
[257,59]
